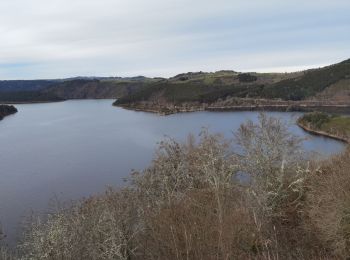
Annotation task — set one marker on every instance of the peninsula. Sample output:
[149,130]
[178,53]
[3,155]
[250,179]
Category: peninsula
[333,126]
[6,110]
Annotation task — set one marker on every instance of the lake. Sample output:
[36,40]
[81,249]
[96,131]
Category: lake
[74,149]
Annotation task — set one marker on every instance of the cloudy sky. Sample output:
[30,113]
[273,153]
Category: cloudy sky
[65,38]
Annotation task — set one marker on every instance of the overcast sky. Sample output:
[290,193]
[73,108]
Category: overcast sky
[65,38]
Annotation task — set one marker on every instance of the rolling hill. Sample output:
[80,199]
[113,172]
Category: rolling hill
[210,87]
[327,83]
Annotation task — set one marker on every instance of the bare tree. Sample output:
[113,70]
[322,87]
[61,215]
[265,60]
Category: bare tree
[188,204]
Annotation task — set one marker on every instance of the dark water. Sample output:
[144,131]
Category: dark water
[76,148]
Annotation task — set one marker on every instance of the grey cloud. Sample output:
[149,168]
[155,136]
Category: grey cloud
[162,37]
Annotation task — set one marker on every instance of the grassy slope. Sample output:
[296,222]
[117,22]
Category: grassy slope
[205,87]
[208,87]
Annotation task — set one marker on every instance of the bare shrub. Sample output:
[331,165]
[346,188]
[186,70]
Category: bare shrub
[123,225]
[188,205]
[179,168]
[5,252]
[183,169]
[192,230]
[272,158]
[329,204]
[102,227]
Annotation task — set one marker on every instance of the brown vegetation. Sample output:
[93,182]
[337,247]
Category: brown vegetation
[201,200]
[328,202]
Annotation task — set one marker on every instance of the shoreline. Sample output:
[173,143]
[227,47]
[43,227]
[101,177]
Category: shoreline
[322,133]
[330,108]
[161,112]
[269,108]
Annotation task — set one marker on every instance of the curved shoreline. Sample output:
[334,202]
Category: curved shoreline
[283,108]
[322,133]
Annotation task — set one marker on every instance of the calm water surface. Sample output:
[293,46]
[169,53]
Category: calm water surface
[74,149]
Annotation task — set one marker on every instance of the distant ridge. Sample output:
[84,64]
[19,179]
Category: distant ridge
[327,82]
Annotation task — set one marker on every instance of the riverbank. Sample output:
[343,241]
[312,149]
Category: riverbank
[239,104]
[322,133]
[6,110]
[332,126]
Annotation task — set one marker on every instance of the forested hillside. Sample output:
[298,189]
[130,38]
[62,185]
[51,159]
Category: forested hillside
[27,97]
[76,88]
[25,85]
[97,88]
[311,83]
[209,87]
[330,82]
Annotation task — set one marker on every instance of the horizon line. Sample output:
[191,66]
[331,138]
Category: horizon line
[267,70]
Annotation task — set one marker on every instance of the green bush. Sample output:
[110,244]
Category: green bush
[316,119]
